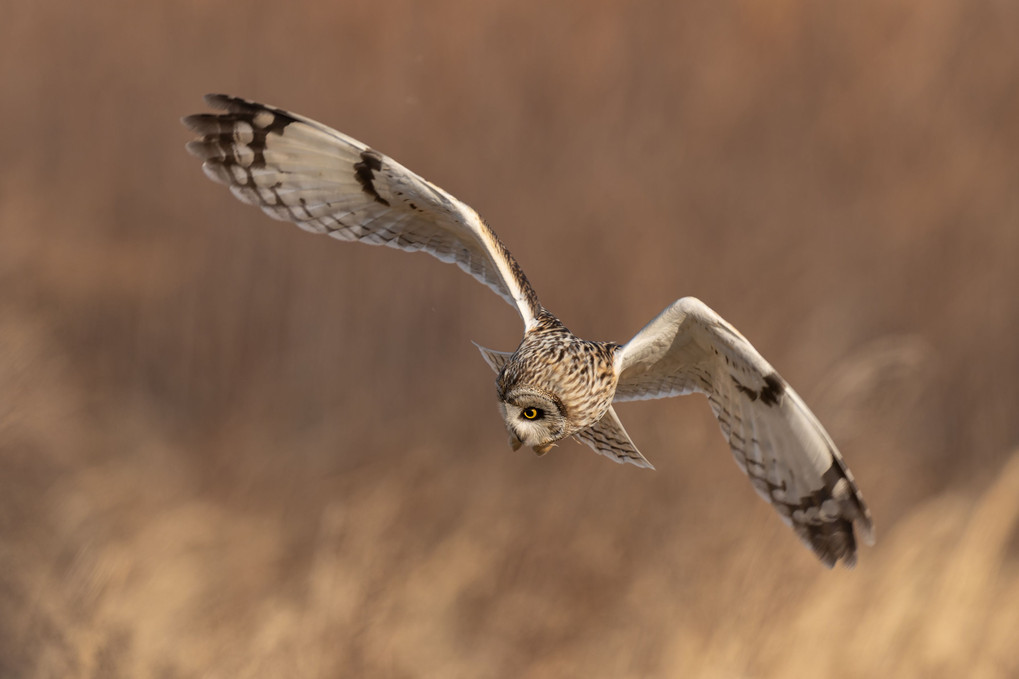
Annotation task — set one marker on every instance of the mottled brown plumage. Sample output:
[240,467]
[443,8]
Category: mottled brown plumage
[577,376]
[555,385]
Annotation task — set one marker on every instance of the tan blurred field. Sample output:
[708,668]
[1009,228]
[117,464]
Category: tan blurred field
[231,449]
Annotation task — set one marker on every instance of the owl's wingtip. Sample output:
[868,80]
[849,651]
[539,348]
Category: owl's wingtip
[218,99]
[867,532]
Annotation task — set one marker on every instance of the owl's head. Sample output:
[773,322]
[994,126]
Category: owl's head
[533,418]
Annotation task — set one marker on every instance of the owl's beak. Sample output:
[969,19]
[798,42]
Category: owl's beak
[515,442]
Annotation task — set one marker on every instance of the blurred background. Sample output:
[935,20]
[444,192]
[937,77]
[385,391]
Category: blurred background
[232,449]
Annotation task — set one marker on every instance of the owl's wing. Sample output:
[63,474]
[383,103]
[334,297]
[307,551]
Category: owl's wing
[776,440]
[301,171]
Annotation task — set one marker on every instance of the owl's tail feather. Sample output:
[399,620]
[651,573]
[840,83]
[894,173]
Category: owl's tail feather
[495,359]
[608,438]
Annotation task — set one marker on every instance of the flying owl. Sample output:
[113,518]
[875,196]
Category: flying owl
[555,385]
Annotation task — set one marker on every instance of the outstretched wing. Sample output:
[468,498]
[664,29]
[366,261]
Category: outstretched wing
[776,440]
[301,171]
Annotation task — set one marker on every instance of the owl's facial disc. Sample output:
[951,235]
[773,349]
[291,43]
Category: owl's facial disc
[533,418]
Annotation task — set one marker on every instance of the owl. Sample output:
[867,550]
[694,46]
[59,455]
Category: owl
[555,385]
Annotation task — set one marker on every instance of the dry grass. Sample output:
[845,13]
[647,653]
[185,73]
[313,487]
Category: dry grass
[218,458]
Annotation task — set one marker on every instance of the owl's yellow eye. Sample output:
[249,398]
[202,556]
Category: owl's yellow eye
[530,413]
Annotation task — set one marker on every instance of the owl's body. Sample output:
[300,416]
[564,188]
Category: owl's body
[569,376]
[555,385]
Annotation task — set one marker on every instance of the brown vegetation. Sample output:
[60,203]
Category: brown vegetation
[230,449]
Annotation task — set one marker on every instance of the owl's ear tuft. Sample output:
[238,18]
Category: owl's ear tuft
[496,360]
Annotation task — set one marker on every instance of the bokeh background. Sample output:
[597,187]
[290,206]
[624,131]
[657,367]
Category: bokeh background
[232,449]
